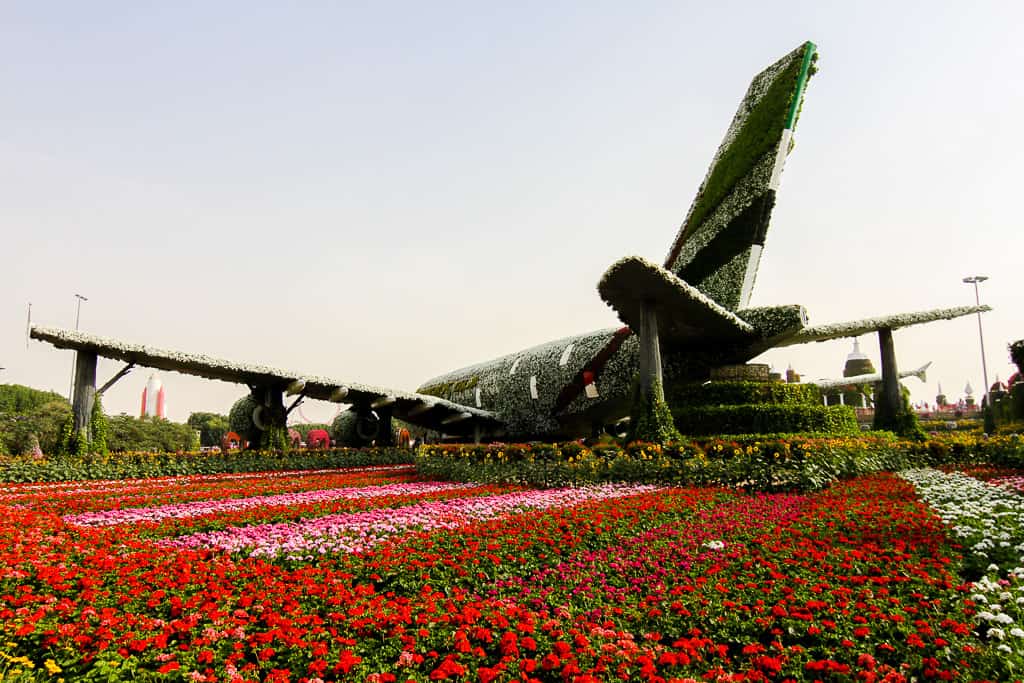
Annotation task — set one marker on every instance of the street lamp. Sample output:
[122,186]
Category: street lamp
[78,316]
[974,280]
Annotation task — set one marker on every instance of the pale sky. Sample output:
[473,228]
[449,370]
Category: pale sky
[383,192]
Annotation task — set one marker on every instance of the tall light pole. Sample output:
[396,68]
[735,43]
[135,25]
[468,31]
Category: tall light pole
[974,280]
[78,316]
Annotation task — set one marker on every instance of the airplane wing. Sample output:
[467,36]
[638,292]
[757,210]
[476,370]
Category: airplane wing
[820,333]
[685,314]
[419,409]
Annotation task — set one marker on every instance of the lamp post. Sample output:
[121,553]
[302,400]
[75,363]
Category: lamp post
[78,316]
[974,280]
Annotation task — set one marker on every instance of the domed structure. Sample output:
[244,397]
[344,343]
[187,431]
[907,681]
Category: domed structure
[857,362]
[858,396]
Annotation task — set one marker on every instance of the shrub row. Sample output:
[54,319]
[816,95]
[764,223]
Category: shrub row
[755,463]
[133,465]
[741,393]
[765,419]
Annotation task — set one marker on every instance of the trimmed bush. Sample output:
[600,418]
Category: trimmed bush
[740,393]
[754,463]
[135,465]
[765,419]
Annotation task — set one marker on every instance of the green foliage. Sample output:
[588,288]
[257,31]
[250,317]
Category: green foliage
[1017,354]
[751,462]
[66,440]
[136,464]
[772,321]
[736,407]
[759,135]
[275,434]
[240,417]
[28,421]
[152,434]
[899,420]
[211,427]
[275,438]
[98,428]
[739,393]
[15,398]
[765,419]
[651,420]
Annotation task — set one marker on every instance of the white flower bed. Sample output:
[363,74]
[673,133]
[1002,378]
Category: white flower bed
[989,521]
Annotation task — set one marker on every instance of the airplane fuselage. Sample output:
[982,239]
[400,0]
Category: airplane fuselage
[569,387]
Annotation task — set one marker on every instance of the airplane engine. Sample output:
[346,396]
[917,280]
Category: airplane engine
[356,428]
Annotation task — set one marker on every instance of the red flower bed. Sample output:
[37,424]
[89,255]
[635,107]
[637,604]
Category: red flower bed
[854,583]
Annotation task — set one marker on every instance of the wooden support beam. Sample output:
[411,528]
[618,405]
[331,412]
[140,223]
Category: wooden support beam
[84,395]
[890,374]
[385,436]
[113,380]
[650,352]
[295,404]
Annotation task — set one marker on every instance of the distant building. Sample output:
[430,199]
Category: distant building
[154,401]
[857,396]
[792,377]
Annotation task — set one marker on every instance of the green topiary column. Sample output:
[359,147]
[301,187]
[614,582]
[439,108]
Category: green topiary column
[651,419]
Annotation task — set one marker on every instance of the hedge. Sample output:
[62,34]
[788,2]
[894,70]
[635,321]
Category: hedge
[754,463]
[740,393]
[134,465]
[765,419]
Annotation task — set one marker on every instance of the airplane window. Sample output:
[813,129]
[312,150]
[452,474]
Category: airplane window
[565,355]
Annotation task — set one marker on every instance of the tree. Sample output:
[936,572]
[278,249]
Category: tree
[15,398]
[26,413]
[211,427]
[154,434]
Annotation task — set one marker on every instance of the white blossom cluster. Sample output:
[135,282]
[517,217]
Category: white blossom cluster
[1000,616]
[989,521]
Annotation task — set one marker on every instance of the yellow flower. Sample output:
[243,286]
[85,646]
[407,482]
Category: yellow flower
[51,667]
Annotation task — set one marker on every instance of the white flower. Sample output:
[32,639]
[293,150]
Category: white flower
[1004,648]
[715,545]
[1017,632]
[996,633]
[987,616]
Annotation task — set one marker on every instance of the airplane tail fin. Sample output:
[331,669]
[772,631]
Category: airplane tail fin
[921,372]
[718,247]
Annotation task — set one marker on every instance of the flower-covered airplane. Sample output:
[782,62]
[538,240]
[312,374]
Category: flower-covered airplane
[682,318]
